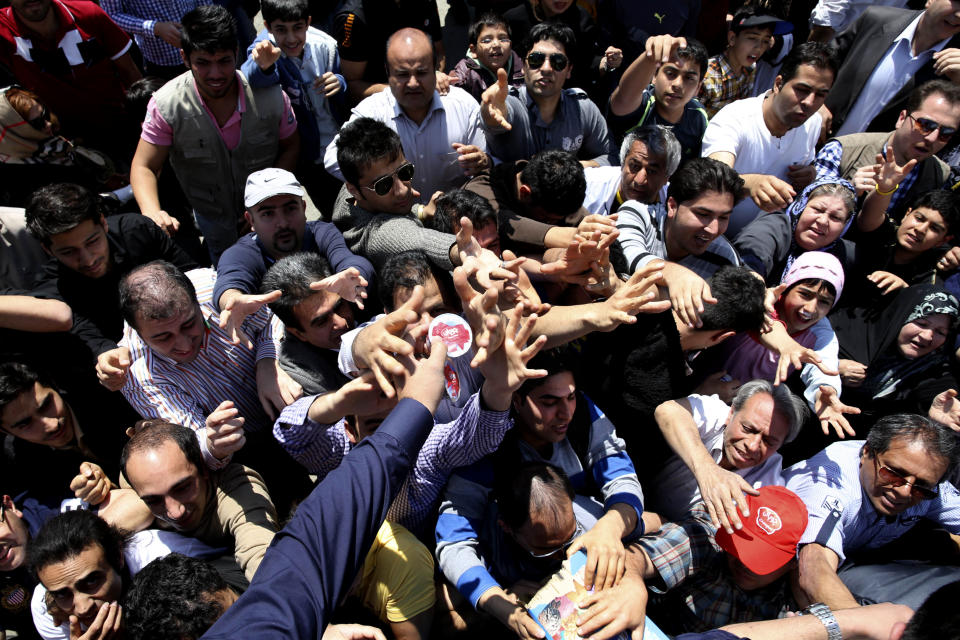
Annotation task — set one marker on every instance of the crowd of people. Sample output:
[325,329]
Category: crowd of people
[671,285]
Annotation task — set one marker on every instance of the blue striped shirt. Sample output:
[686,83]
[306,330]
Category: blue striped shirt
[139,17]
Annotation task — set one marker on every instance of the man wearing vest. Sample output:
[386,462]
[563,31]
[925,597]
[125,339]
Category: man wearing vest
[216,130]
[925,126]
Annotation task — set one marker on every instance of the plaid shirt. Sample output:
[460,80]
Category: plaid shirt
[827,165]
[139,17]
[722,85]
[693,590]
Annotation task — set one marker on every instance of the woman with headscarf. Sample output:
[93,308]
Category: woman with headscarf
[815,221]
[899,359]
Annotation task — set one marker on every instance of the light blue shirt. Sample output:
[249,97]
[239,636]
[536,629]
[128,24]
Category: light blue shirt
[454,117]
[894,70]
[829,484]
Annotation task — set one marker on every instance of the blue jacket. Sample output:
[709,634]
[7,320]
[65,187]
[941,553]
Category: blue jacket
[313,560]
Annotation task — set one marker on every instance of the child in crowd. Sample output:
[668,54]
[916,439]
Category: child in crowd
[304,60]
[671,100]
[490,49]
[730,75]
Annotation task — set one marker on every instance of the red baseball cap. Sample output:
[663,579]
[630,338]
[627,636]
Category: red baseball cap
[769,537]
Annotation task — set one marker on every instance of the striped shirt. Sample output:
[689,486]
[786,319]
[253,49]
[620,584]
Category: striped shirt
[643,240]
[139,17]
[158,387]
[320,448]
[723,85]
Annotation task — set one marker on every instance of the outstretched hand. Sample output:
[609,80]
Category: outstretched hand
[493,103]
[236,311]
[348,284]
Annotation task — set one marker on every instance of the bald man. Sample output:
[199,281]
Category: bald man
[440,133]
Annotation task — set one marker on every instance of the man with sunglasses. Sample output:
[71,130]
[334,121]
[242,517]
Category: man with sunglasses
[519,122]
[862,495]
[927,123]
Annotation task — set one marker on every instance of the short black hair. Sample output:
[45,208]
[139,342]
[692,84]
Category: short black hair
[15,378]
[937,439]
[487,19]
[287,10]
[138,94]
[292,275]
[173,597]
[696,52]
[152,434]
[946,203]
[68,534]
[461,203]
[553,361]
[209,28]
[818,55]
[555,31]
[700,175]
[406,270]
[739,306]
[363,142]
[556,180]
[937,617]
[158,290]
[531,488]
[58,208]
[946,88]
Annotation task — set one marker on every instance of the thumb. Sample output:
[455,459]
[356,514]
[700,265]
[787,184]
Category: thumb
[438,352]
[86,470]
[453,78]
[502,77]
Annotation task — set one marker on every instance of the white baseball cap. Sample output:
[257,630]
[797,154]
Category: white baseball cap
[270,182]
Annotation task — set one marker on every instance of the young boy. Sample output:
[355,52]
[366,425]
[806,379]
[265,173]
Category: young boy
[731,74]
[490,49]
[305,62]
[670,100]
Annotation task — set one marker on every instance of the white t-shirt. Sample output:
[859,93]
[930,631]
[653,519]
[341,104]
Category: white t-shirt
[739,129]
[676,489]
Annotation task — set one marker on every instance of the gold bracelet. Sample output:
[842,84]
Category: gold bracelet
[876,188]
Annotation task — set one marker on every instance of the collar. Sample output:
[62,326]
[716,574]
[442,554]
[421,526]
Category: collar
[435,105]
[727,69]
[65,20]
[532,106]
[908,34]
[241,94]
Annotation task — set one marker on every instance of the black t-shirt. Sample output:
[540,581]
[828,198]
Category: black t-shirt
[16,589]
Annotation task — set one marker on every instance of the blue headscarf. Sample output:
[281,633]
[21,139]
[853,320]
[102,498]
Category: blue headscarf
[796,208]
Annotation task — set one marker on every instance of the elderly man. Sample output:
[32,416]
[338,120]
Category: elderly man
[164,465]
[542,114]
[864,494]
[648,157]
[440,133]
[724,452]
[771,139]
[928,121]
[885,54]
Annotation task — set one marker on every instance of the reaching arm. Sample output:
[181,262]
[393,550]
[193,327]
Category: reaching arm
[625,99]
[26,313]
[144,170]
[818,580]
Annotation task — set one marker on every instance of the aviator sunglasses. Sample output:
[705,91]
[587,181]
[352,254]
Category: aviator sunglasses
[383,185]
[926,126]
[535,60]
[890,478]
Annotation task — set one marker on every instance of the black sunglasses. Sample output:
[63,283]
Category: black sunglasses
[926,126]
[383,185]
[40,121]
[535,60]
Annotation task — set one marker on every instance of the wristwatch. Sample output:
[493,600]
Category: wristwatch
[824,615]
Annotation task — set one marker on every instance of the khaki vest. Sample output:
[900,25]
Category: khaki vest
[213,177]
[861,149]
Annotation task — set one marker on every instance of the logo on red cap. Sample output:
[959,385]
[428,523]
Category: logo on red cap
[768,520]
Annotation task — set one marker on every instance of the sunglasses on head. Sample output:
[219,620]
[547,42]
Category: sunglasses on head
[926,126]
[383,185]
[890,478]
[40,121]
[535,60]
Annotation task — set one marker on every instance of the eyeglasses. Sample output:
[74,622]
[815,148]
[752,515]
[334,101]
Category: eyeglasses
[888,477]
[558,61]
[490,39]
[576,534]
[383,185]
[926,126]
[40,121]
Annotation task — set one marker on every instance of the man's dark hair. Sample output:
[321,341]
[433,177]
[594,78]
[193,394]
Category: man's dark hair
[292,276]
[556,180]
[553,361]
[943,202]
[534,488]
[946,88]
[460,203]
[556,32]
[173,597]
[696,52]
[209,28]
[739,295]
[937,617]
[138,94]
[938,440]
[58,208]
[406,270]
[157,290]
[287,10]
[152,434]
[818,55]
[488,19]
[69,534]
[700,175]
[363,142]
[15,378]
